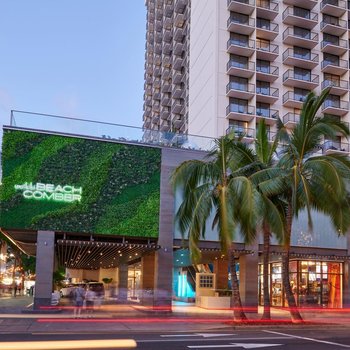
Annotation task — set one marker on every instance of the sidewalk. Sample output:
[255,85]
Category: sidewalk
[130,317]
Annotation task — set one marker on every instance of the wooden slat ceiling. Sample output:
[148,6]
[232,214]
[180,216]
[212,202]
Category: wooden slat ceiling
[75,254]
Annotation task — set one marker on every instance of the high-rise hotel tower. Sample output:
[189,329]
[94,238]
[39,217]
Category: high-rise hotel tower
[219,65]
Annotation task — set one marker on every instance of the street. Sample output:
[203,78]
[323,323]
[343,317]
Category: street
[318,338]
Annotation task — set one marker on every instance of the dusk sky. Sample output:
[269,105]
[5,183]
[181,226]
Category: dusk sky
[81,58]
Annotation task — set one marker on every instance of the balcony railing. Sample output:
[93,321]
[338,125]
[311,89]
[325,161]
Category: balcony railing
[241,21]
[312,57]
[341,43]
[334,7]
[240,109]
[291,11]
[291,118]
[290,95]
[268,5]
[272,27]
[339,63]
[344,105]
[240,87]
[241,132]
[271,48]
[269,91]
[342,84]
[273,70]
[250,65]
[335,147]
[250,44]
[312,36]
[291,74]
[330,21]
[242,6]
[267,113]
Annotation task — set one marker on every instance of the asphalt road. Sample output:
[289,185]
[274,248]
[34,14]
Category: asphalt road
[317,338]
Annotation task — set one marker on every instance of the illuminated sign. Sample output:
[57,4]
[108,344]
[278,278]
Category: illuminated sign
[50,192]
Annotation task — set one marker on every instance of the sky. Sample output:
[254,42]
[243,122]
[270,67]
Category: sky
[78,58]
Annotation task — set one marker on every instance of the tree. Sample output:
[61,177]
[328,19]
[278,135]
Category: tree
[271,211]
[309,181]
[215,186]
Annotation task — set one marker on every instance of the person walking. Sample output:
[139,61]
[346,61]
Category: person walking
[90,297]
[78,295]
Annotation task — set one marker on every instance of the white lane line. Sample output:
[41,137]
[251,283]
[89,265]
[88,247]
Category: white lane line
[205,339]
[310,339]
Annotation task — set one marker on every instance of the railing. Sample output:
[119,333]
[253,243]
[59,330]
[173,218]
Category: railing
[106,131]
[267,113]
[342,84]
[340,63]
[329,21]
[242,43]
[234,64]
[290,53]
[341,43]
[268,5]
[240,87]
[241,21]
[272,48]
[312,36]
[290,74]
[234,108]
[247,2]
[336,3]
[291,117]
[269,91]
[335,146]
[273,70]
[290,11]
[241,132]
[290,95]
[272,27]
[336,104]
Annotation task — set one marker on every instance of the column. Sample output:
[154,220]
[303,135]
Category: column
[346,276]
[123,283]
[248,279]
[45,251]
[221,271]
[147,279]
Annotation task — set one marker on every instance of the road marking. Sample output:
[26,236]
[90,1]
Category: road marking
[205,340]
[204,335]
[310,339]
[235,345]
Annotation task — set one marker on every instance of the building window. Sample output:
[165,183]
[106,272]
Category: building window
[302,53]
[239,18]
[239,61]
[263,44]
[300,12]
[263,66]
[331,39]
[239,39]
[302,74]
[302,32]
[331,59]
[206,281]
[238,83]
[263,23]
[238,105]
[263,87]
[263,109]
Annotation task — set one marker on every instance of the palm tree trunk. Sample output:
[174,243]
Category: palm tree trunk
[236,302]
[266,255]
[294,312]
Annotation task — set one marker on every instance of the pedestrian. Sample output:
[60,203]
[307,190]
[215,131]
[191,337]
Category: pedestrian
[15,290]
[90,297]
[78,295]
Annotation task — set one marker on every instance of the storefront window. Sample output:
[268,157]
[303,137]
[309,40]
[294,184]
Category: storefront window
[313,283]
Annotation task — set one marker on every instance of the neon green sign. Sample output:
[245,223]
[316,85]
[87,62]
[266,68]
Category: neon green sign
[50,192]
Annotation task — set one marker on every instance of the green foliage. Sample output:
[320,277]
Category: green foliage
[120,185]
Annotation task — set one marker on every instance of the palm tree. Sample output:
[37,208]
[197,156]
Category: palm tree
[211,186]
[272,211]
[309,181]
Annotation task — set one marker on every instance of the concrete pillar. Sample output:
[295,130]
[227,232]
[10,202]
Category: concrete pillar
[346,278]
[147,278]
[45,251]
[248,279]
[123,283]
[221,271]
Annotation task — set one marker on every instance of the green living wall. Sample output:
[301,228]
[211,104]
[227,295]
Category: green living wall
[120,185]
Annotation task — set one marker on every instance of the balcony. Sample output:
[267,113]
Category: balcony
[293,100]
[180,6]
[177,77]
[166,73]
[244,70]
[177,106]
[291,119]
[306,4]
[156,96]
[244,134]
[166,100]
[335,48]
[157,71]
[179,34]
[156,83]
[167,35]
[156,119]
[147,123]
[165,113]
[293,17]
[241,47]
[178,49]
[291,58]
[269,115]
[166,61]
[168,23]
[338,87]
[179,19]
[241,25]
[243,91]
[246,7]
[269,73]
[166,87]
[339,67]
[267,52]
[334,8]
[167,48]
[178,62]
[165,126]
[268,32]
[335,147]
[307,81]
[335,27]
[177,91]
[267,9]
[240,112]
[339,108]
[267,95]
[308,41]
